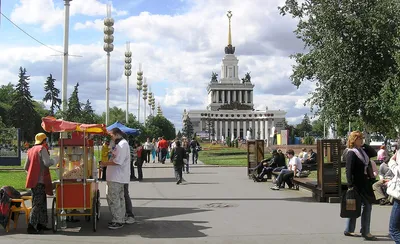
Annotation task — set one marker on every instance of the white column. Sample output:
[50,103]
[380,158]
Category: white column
[238,129]
[216,130]
[218,96]
[232,135]
[201,125]
[240,96]
[262,130]
[220,129]
[245,97]
[229,96]
[226,129]
[223,96]
[234,96]
[256,129]
[251,96]
[244,129]
[266,132]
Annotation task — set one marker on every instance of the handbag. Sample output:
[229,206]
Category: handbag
[393,188]
[350,206]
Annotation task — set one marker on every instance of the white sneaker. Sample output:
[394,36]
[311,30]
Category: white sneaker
[129,220]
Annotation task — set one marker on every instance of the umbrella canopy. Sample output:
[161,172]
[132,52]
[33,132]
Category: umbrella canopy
[123,128]
[51,124]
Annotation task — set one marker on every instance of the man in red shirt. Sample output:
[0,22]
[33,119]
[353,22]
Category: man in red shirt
[163,149]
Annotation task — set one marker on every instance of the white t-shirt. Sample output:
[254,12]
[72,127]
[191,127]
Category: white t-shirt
[120,173]
[295,161]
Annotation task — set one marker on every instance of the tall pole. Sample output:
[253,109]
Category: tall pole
[128,72]
[144,98]
[108,48]
[65,60]
[139,87]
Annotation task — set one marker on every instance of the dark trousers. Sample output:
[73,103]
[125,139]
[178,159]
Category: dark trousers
[132,170]
[139,164]
[285,176]
[128,202]
[195,155]
[104,174]
[394,222]
[266,171]
[38,214]
[163,155]
[146,156]
[178,172]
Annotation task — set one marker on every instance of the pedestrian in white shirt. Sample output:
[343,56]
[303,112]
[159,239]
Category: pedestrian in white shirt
[118,174]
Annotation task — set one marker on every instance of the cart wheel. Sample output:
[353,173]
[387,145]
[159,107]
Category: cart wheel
[98,205]
[94,214]
[54,217]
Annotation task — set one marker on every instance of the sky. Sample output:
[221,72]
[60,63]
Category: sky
[178,42]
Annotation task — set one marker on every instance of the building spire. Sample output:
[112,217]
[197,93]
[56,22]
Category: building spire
[229,49]
[229,14]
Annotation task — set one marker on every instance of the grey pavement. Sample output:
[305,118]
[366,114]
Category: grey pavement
[214,205]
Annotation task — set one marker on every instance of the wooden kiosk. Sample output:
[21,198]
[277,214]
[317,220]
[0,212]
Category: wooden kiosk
[255,154]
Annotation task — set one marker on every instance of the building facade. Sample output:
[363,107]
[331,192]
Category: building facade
[230,111]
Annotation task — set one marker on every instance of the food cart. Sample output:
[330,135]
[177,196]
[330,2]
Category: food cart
[76,192]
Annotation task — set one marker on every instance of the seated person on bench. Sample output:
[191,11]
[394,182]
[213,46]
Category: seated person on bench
[385,175]
[286,175]
[268,167]
[312,157]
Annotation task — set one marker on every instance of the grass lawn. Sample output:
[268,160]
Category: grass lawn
[223,155]
[17,179]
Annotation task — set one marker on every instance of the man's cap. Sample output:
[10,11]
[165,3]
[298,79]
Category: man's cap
[39,138]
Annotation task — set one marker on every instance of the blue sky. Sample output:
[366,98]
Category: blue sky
[179,43]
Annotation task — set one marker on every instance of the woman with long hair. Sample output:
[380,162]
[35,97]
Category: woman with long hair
[358,173]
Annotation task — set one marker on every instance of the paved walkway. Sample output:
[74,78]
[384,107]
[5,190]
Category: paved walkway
[215,205]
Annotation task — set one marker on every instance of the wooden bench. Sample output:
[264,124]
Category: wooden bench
[305,182]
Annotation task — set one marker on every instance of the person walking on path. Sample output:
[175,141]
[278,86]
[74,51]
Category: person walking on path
[163,149]
[139,160]
[39,180]
[153,151]
[358,178]
[394,222]
[117,176]
[194,146]
[177,156]
[147,148]
[186,146]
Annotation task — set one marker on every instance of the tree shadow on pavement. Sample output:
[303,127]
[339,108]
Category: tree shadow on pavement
[158,180]
[292,199]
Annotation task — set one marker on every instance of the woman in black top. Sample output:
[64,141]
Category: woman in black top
[186,146]
[359,177]
[177,156]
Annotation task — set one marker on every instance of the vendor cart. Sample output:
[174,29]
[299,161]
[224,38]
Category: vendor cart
[76,192]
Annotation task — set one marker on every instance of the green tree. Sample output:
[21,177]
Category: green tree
[351,56]
[52,94]
[160,126]
[179,134]
[74,110]
[187,129]
[117,114]
[305,126]
[22,112]
[88,115]
[7,94]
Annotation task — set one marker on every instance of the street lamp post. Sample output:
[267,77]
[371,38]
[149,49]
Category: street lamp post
[108,48]
[144,98]
[65,60]
[128,72]
[150,99]
[139,87]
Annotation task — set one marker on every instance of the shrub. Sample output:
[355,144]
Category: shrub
[308,140]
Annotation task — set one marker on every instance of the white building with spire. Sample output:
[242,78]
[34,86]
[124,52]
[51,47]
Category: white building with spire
[230,111]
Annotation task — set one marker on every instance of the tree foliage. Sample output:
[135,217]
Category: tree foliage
[352,57]
[23,114]
[74,110]
[52,94]
[305,126]
[160,126]
[187,129]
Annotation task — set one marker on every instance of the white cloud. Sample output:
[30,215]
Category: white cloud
[48,15]
[178,53]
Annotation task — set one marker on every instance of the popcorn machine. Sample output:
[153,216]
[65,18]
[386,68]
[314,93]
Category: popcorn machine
[77,191]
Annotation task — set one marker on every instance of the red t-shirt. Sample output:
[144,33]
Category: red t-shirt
[163,144]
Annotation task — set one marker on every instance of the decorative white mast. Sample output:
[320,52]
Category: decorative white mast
[139,87]
[108,48]
[128,72]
